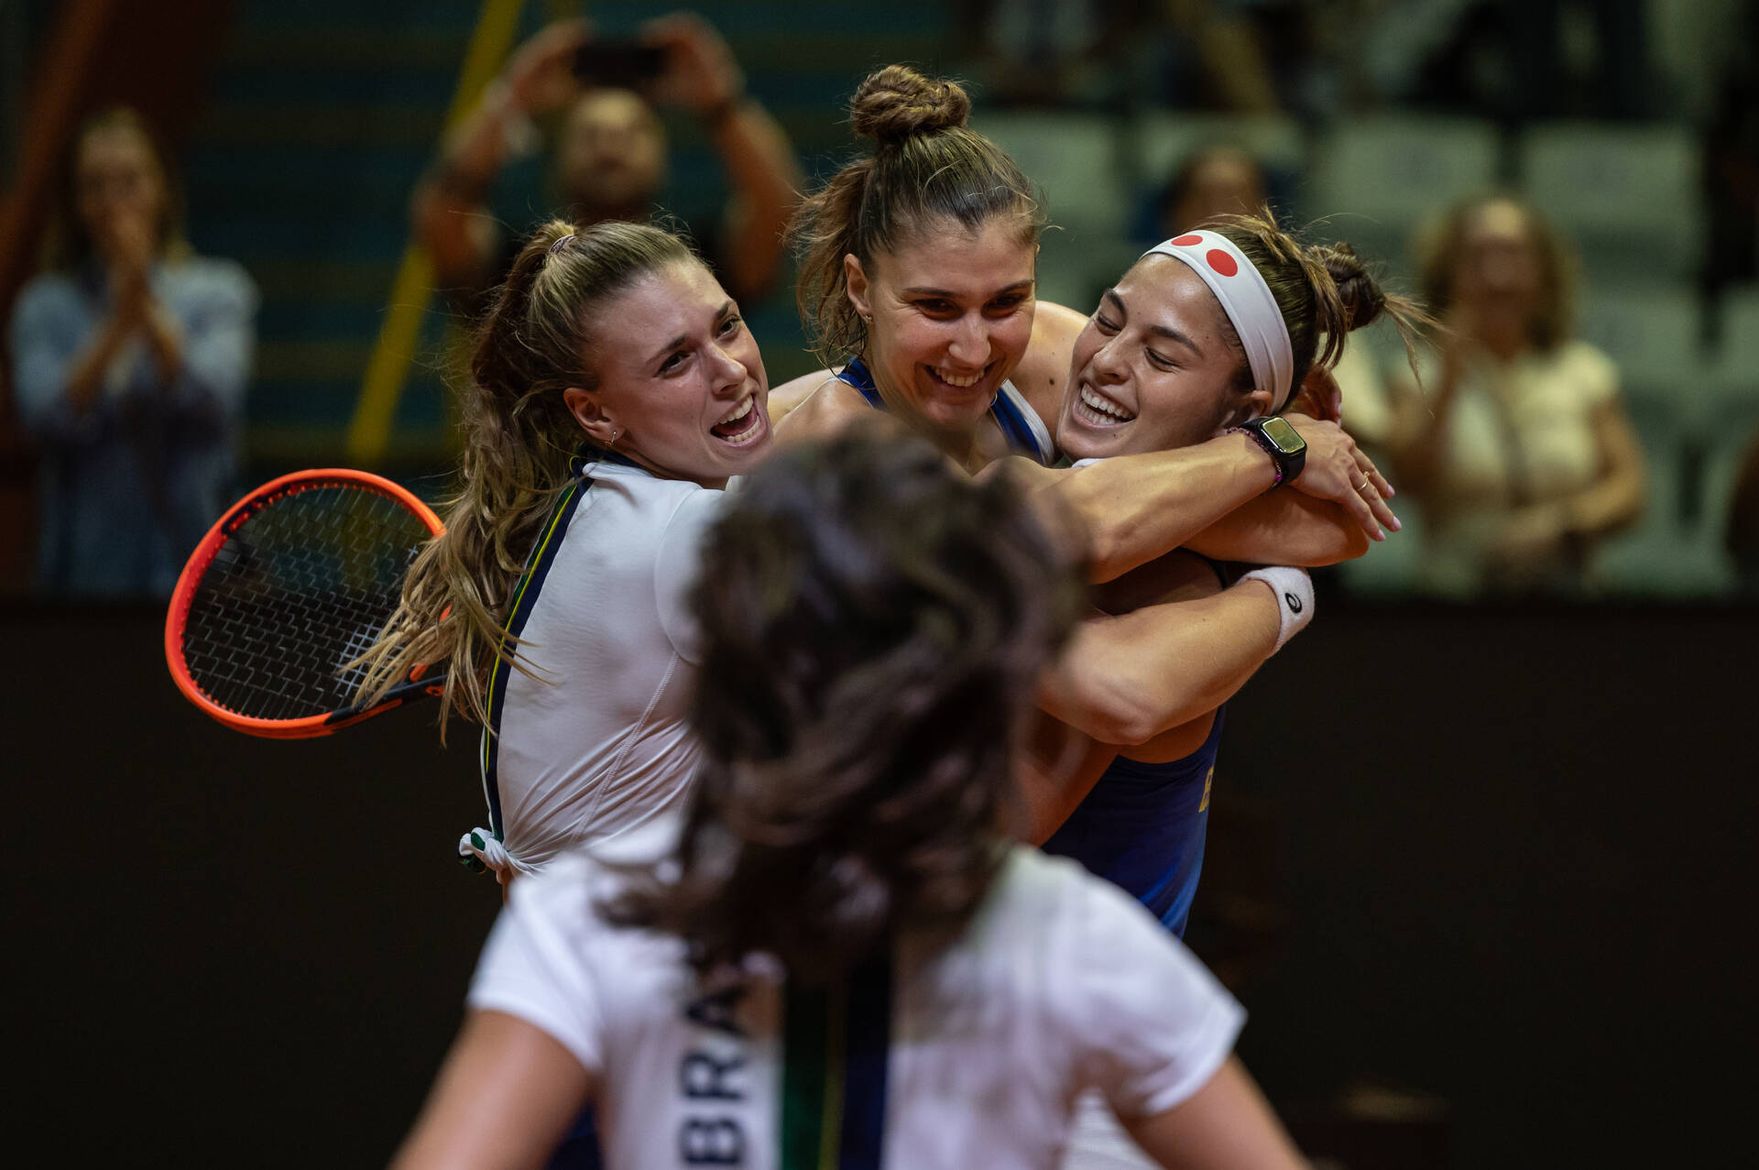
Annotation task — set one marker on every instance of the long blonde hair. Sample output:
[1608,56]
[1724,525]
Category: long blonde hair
[519,442]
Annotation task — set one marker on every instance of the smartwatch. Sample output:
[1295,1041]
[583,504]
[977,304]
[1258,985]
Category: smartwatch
[1284,443]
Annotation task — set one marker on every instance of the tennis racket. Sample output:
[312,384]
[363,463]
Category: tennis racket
[294,582]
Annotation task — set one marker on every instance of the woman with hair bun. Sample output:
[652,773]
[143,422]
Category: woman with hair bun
[1208,330]
[917,278]
[842,960]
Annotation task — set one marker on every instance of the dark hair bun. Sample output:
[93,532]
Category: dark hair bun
[1357,289]
[897,102]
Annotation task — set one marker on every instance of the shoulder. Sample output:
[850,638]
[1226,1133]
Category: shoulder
[1591,368]
[1045,367]
[790,395]
[828,405]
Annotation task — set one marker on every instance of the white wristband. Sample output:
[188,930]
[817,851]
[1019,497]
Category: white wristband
[1294,596]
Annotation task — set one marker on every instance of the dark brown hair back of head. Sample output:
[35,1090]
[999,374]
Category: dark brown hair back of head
[926,166]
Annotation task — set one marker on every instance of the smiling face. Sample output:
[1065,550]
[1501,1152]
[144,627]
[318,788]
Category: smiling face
[949,317]
[681,384]
[117,178]
[1156,368]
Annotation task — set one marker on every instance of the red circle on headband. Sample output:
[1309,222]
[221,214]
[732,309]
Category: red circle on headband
[1221,262]
[1187,240]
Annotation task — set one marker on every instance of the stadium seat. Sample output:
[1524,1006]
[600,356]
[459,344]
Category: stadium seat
[1075,157]
[1377,179]
[1628,196]
[1655,337]
[1737,350]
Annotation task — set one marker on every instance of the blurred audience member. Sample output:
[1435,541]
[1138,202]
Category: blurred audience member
[131,357]
[1518,447]
[1213,180]
[608,159]
[1741,538]
[1521,60]
[1254,57]
[1047,52]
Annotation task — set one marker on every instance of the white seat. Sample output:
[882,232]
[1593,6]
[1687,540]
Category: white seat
[1655,338]
[1629,196]
[1737,350]
[1377,179]
[1075,158]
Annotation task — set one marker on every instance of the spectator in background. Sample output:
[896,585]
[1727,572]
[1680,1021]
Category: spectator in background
[1519,450]
[609,156]
[131,357]
[1214,180]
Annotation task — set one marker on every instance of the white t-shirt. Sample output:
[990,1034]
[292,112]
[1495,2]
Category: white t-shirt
[1060,983]
[597,744]
[1520,433]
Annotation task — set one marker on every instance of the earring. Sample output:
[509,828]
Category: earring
[613,441]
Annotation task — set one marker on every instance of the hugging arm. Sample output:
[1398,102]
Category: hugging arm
[1138,507]
[1124,680]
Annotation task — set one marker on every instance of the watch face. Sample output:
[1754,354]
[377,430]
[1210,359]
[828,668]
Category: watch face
[1287,439]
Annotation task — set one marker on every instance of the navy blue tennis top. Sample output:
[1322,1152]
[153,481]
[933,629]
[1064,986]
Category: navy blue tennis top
[1026,435]
[1143,826]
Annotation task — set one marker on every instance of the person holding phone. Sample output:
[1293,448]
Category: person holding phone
[608,151]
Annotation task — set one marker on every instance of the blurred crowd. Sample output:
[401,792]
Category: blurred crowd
[1571,190]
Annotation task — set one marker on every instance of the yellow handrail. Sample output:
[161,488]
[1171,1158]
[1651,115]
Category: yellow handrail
[369,432]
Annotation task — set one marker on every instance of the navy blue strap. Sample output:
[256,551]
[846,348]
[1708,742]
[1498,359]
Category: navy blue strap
[1015,429]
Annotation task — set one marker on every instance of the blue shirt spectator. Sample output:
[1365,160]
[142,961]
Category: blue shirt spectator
[130,361]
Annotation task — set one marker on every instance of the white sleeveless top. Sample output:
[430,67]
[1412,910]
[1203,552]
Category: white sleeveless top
[593,743]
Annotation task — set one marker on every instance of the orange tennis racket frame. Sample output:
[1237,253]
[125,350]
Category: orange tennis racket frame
[177,614]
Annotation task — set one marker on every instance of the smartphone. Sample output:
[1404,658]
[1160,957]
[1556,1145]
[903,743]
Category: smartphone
[621,64]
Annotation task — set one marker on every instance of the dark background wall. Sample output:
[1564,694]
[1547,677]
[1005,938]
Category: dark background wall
[1508,855]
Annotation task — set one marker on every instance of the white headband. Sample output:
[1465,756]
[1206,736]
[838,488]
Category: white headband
[1246,300]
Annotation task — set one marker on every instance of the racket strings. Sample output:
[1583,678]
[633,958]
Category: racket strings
[298,590]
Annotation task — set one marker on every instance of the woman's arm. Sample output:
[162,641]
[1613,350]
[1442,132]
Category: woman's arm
[1225,1125]
[1124,680]
[449,209]
[703,77]
[1285,528]
[1615,500]
[216,347]
[503,1100]
[1139,507]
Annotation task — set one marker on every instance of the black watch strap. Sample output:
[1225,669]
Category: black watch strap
[1280,440]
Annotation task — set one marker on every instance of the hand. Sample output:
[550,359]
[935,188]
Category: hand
[701,74]
[130,239]
[1530,538]
[1338,471]
[1319,397]
[540,75]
